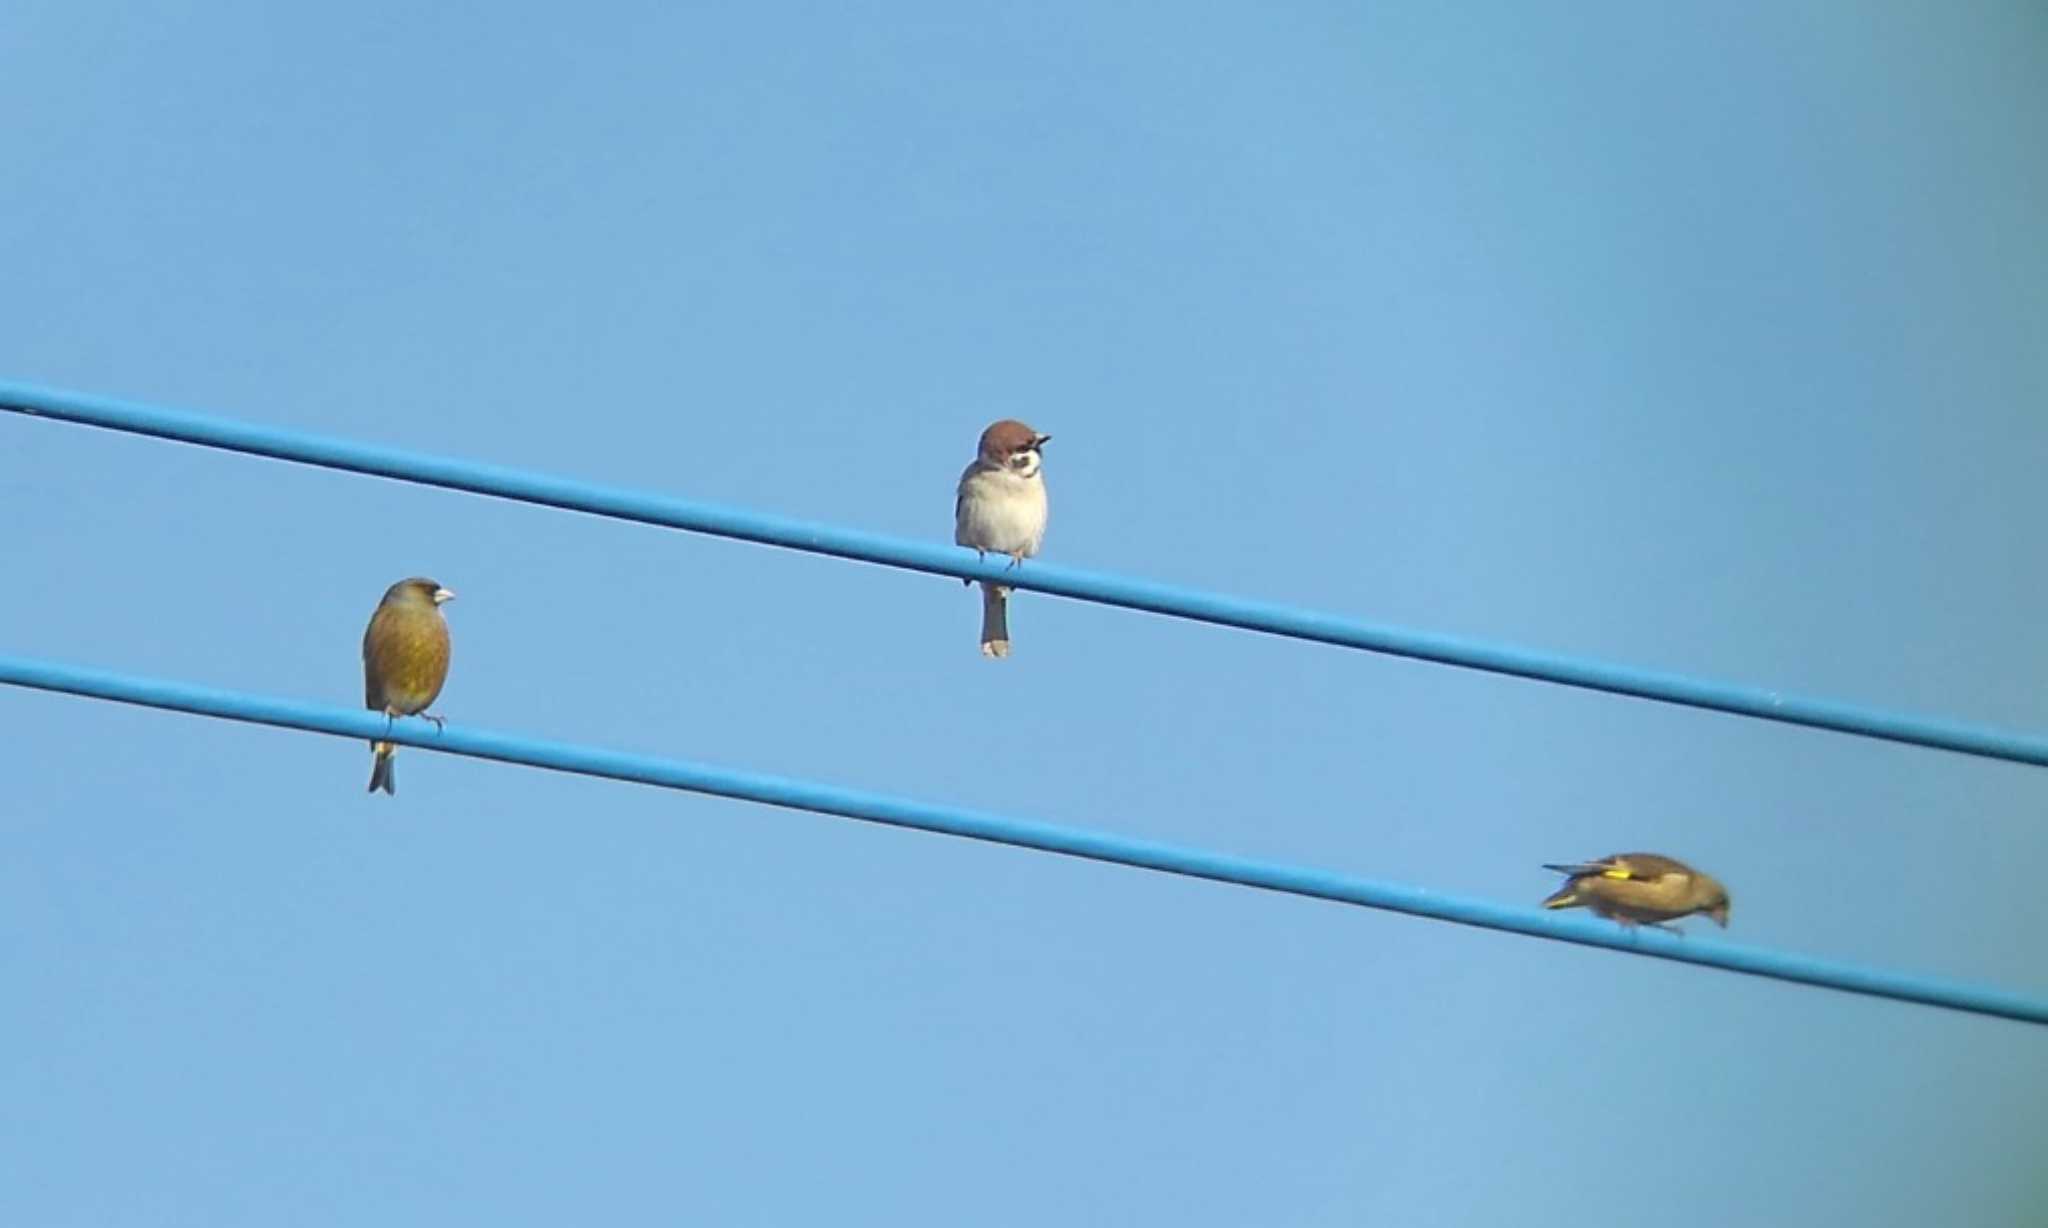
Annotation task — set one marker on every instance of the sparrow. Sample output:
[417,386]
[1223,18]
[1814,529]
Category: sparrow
[405,661]
[1000,506]
[1640,889]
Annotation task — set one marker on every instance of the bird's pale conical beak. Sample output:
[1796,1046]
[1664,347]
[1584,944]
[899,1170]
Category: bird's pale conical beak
[1720,915]
[443,595]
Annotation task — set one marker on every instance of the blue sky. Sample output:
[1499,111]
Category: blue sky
[1703,337]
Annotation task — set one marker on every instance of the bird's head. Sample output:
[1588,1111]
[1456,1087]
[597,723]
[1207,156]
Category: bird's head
[420,590]
[1717,902]
[1013,446]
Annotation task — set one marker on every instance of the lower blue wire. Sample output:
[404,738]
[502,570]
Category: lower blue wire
[1046,837]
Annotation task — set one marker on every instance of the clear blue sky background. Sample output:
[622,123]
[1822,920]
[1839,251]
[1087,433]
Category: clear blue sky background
[1705,337]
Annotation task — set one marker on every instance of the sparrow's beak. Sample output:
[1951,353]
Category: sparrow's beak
[1720,915]
[1041,441]
[442,595]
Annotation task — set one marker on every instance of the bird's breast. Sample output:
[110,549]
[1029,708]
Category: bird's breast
[1001,511]
[405,659]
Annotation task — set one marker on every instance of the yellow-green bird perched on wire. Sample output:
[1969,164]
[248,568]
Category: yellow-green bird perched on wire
[405,661]
[1640,889]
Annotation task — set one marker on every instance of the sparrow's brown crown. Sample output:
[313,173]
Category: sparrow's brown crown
[1004,439]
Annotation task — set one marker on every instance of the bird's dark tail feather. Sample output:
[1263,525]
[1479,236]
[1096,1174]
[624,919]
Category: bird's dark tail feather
[384,772]
[995,620]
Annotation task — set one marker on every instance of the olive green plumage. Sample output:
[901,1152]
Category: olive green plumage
[405,661]
[1640,889]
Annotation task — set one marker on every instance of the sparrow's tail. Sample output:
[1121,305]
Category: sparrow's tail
[995,620]
[1566,896]
[384,773]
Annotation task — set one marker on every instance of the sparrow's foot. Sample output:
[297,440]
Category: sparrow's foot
[1016,557]
[440,722]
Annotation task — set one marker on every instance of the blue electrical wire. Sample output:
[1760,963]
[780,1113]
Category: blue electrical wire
[529,487]
[1045,837]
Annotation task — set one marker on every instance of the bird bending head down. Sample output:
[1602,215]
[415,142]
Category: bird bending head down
[1640,889]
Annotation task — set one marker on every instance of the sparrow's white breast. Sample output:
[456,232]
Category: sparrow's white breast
[1000,511]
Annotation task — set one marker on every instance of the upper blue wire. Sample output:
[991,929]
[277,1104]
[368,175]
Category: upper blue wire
[1270,617]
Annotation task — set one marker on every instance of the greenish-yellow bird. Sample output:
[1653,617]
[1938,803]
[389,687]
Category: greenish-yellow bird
[405,661]
[1640,889]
